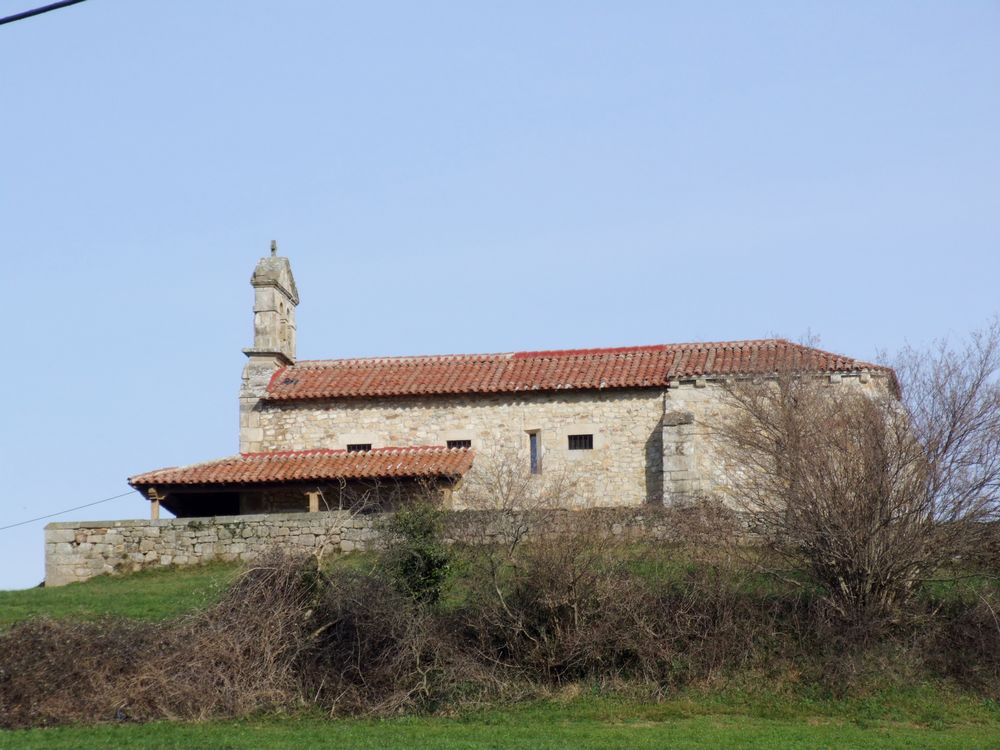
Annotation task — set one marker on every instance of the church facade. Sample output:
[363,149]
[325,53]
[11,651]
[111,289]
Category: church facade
[630,425]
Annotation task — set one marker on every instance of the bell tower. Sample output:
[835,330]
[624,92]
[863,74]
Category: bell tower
[275,299]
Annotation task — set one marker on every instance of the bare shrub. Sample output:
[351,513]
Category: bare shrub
[235,658]
[56,672]
[284,636]
[952,402]
[867,493]
[510,505]
[510,502]
[536,605]
[575,606]
[981,552]
[555,595]
[373,495]
[964,643]
[240,656]
[289,635]
[378,651]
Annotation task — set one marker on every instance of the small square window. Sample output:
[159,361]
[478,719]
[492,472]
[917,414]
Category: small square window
[581,442]
[459,443]
[358,447]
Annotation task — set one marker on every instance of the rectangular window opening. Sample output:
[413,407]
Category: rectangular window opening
[581,442]
[459,443]
[359,447]
[535,448]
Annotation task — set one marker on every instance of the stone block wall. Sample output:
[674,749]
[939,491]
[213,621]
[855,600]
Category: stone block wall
[694,460]
[77,551]
[650,445]
[625,467]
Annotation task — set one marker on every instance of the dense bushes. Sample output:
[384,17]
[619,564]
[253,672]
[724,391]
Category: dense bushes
[416,558]
[507,622]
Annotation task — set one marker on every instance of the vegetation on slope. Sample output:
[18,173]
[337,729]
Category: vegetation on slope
[486,625]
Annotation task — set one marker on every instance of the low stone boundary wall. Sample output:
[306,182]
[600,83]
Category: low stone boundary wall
[76,551]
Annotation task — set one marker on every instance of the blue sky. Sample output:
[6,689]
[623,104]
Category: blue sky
[461,177]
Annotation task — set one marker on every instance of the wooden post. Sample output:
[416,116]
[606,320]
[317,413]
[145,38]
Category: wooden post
[154,504]
[313,501]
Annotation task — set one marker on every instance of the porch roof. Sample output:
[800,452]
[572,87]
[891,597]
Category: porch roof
[430,461]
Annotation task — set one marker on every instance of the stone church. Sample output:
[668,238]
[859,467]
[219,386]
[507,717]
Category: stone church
[631,425]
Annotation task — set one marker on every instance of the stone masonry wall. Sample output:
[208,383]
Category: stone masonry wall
[693,459]
[77,551]
[625,467]
[651,446]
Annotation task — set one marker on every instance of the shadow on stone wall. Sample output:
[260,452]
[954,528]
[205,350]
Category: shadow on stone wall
[654,465]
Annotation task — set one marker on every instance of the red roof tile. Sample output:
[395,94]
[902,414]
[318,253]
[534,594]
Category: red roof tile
[626,367]
[308,465]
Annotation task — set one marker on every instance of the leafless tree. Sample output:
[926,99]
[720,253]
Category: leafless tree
[871,488]
[511,501]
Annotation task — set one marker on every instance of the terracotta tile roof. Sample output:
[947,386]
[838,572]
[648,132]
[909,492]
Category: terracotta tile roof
[626,367]
[308,465]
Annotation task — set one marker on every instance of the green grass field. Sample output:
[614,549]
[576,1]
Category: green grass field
[155,594]
[149,595]
[917,720]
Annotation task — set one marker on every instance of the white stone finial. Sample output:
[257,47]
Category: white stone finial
[274,248]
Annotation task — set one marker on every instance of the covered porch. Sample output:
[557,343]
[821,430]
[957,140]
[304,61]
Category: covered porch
[305,481]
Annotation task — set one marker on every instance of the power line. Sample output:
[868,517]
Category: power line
[68,510]
[38,12]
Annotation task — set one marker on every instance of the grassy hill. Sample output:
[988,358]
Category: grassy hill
[148,595]
[777,715]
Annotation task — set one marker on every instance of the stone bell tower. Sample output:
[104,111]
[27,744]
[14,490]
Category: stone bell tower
[275,299]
